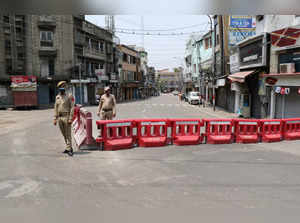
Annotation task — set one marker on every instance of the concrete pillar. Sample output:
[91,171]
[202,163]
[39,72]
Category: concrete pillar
[273,101]
[237,101]
[85,94]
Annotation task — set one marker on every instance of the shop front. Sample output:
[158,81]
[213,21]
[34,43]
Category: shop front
[285,95]
[250,98]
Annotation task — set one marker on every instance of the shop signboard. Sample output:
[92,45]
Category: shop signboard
[23,83]
[242,22]
[253,52]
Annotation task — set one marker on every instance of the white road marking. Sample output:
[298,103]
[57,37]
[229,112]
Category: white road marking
[5,185]
[26,188]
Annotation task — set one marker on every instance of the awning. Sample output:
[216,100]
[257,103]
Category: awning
[240,76]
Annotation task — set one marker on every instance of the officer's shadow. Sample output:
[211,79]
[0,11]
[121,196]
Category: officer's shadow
[80,152]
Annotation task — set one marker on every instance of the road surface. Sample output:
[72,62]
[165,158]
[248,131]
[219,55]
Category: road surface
[40,184]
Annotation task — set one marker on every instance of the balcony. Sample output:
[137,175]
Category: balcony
[47,22]
[94,54]
[48,51]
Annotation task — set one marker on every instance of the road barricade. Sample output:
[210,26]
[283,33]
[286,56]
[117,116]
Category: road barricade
[186,131]
[152,132]
[291,129]
[82,127]
[116,134]
[246,130]
[271,130]
[218,131]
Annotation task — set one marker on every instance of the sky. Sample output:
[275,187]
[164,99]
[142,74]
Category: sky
[163,51]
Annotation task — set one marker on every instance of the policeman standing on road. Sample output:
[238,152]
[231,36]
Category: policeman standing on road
[63,114]
[107,105]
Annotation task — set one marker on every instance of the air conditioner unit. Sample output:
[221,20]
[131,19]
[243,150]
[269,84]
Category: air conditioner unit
[287,68]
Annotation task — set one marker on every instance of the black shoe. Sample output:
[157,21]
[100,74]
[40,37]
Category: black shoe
[66,151]
[70,153]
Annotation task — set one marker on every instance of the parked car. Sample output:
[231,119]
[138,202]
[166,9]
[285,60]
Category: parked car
[175,93]
[194,98]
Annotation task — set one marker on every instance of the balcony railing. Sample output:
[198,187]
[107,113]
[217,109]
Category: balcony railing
[47,21]
[90,52]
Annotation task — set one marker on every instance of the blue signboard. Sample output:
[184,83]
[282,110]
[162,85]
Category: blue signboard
[242,22]
[236,36]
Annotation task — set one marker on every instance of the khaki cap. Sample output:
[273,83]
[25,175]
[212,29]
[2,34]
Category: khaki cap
[61,83]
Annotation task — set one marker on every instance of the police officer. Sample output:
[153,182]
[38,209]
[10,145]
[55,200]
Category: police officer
[63,114]
[107,105]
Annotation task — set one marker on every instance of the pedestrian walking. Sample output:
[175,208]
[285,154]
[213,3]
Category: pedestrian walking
[63,114]
[107,105]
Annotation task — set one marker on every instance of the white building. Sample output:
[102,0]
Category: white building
[283,81]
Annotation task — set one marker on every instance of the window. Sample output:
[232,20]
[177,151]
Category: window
[101,66]
[6,19]
[207,43]
[125,59]
[260,17]
[46,38]
[47,67]
[8,66]
[218,39]
[133,60]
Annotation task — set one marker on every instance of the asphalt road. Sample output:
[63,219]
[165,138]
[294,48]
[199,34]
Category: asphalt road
[204,183]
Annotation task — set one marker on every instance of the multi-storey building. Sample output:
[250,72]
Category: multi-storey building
[279,88]
[55,48]
[131,79]
[168,81]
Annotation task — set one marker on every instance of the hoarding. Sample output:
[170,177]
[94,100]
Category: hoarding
[236,36]
[23,83]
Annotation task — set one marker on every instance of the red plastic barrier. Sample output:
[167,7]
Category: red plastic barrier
[116,134]
[87,121]
[271,130]
[186,131]
[291,129]
[76,112]
[152,132]
[218,131]
[246,130]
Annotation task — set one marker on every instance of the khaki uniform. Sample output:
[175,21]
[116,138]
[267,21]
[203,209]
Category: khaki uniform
[107,107]
[63,112]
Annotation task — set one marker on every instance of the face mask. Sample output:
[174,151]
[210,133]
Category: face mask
[62,90]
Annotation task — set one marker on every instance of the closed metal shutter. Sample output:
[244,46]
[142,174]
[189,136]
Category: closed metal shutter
[43,94]
[288,106]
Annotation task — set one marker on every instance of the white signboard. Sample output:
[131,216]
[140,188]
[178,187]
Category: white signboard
[103,78]
[234,63]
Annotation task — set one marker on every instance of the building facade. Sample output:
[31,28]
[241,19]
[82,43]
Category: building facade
[55,48]
[131,79]
[282,83]
[168,81]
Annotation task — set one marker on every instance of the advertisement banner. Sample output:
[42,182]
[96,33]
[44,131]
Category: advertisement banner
[23,83]
[236,36]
